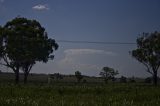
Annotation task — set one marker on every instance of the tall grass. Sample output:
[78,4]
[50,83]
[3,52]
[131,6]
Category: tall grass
[79,95]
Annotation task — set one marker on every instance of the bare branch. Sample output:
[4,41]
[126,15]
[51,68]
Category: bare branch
[7,63]
[30,67]
[148,68]
[157,67]
[5,59]
[4,64]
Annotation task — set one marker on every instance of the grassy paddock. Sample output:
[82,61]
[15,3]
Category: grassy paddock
[79,95]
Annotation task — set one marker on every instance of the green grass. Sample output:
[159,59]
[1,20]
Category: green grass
[79,95]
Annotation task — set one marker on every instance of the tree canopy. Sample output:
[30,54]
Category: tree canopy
[26,42]
[78,76]
[108,73]
[148,52]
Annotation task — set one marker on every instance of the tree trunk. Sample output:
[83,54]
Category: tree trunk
[25,77]
[155,78]
[16,76]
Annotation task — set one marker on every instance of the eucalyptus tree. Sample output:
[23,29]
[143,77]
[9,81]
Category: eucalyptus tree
[78,76]
[25,42]
[108,73]
[148,53]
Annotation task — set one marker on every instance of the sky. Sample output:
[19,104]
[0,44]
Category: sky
[89,20]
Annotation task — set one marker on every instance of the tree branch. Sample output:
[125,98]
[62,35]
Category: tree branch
[4,64]
[148,68]
[29,69]
[5,60]
[7,63]
[157,67]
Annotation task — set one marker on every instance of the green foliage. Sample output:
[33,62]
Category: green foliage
[25,42]
[148,52]
[123,79]
[56,76]
[108,73]
[132,80]
[84,81]
[78,76]
[148,80]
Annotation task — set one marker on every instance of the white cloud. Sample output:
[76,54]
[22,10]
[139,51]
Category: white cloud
[88,51]
[84,60]
[79,55]
[40,7]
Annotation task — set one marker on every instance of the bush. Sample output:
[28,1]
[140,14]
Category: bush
[123,79]
[84,80]
[148,80]
[132,80]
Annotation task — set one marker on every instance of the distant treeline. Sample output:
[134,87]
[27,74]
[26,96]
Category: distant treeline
[6,77]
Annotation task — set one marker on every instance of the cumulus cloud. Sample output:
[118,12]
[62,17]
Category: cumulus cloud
[40,7]
[72,64]
[88,51]
[83,59]
[76,55]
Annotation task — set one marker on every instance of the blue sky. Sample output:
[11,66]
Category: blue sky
[89,20]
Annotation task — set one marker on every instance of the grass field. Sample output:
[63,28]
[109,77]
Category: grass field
[79,95]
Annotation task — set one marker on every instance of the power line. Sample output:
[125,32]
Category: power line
[96,42]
